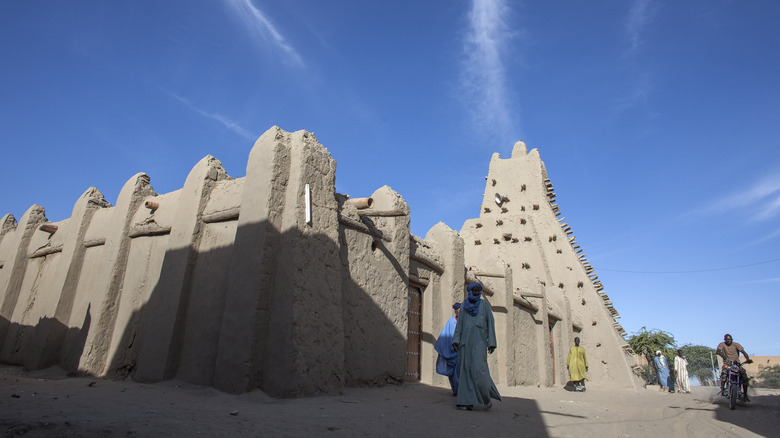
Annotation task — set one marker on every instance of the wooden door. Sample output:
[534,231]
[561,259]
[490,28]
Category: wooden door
[552,350]
[413,335]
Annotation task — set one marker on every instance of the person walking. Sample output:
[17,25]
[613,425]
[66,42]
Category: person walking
[474,338]
[447,362]
[577,364]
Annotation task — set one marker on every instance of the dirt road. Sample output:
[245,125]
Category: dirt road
[47,404]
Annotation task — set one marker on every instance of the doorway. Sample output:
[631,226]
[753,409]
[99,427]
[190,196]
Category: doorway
[552,349]
[413,335]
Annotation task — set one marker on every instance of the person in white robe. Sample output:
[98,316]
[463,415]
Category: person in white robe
[681,373]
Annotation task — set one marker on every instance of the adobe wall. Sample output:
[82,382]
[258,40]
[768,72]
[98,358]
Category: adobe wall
[759,364]
[374,248]
[275,281]
[233,283]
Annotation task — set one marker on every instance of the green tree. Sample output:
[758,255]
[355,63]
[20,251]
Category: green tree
[769,377]
[700,362]
[647,342]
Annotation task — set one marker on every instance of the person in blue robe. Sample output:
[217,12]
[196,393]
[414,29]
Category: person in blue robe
[474,338]
[447,362]
[662,367]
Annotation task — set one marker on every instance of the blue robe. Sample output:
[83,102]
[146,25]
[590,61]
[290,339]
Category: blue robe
[474,334]
[664,377]
[447,362]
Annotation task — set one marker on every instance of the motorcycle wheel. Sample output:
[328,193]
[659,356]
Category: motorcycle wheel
[733,394]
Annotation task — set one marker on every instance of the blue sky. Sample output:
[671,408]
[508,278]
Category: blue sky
[658,121]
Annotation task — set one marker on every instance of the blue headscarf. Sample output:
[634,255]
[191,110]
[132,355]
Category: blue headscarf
[471,305]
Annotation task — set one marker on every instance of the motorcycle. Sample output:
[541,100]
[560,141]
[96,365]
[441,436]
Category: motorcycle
[733,389]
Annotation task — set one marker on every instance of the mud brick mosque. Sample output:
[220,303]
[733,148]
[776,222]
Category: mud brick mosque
[276,281]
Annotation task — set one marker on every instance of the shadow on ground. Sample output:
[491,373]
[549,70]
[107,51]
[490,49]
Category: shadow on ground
[173,408]
[751,416]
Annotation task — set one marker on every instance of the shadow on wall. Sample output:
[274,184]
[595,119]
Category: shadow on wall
[251,308]
[374,345]
[46,344]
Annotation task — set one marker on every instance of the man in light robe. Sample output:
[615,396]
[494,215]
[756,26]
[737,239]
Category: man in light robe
[662,367]
[577,364]
[474,337]
[447,362]
[681,373]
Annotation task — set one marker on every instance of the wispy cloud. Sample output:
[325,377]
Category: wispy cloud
[762,281]
[262,29]
[761,200]
[760,240]
[639,17]
[640,90]
[483,79]
[771,208]
[227,123]
[640,81]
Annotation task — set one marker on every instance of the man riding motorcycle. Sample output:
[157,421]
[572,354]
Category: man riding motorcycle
[729,351]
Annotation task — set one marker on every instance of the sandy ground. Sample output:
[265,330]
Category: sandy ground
[49,404]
